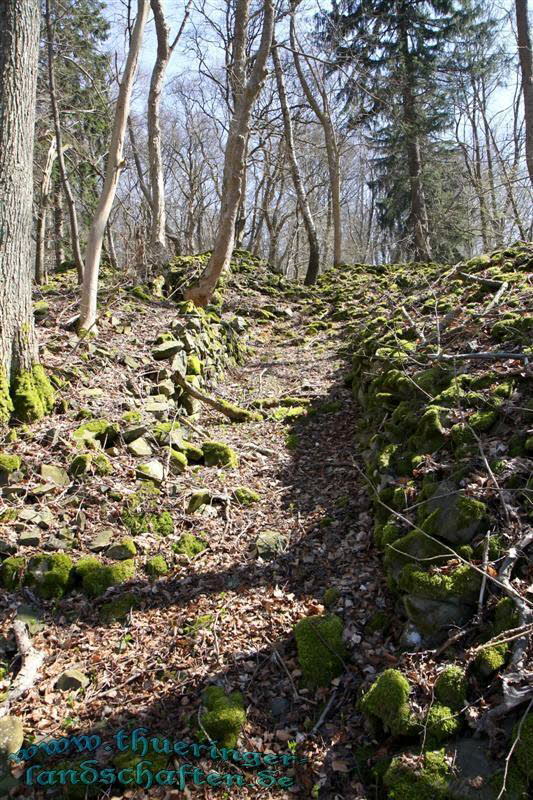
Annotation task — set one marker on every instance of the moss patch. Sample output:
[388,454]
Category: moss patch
[387,701]
[49,575]
[320,648]
[450,687]
[217,454]
[225,716]
[96,577]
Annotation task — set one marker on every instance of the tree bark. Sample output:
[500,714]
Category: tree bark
[314,251]
[158,244]
[71,205]
[525,53]
[88,306]
[59,232]
[24,389]
[245,92]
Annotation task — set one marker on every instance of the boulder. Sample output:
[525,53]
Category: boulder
[71,680]
[270,544]
[139,447]
[453,516]
[53,474]
[151,471]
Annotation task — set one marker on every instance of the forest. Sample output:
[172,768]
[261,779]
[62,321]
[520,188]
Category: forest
[266,404]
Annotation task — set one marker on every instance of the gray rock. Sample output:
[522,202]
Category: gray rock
[122,551]
[455,522]
[474,770]
[7,548]
[158,406]
[270,544]
[55,475]
[139,447]
[433,617]
[102,540]
[11,736]
[279,707]
[72,679]
[151,471]
[166,350]
[30,538]
[135,432]
[166,388]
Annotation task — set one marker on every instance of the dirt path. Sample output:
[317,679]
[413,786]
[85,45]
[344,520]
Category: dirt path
[227,615]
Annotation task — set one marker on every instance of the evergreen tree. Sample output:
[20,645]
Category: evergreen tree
[400,54]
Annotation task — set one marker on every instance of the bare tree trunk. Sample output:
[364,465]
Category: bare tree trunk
[24,388]
[59,219]
[314,251]
[71,205]
[44,201]
[324,116]
[246,92]
[111,248]
[114,165]
[158,245]
[525,53]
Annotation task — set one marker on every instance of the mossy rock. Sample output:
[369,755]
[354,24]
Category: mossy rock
[450,687]
[414,547]
[245,496]
[118,609]
[96,577]
[198,500]
[49,575]
[156,567]
[12,572]
[321,651]
[123,550]
[225,716]
[99,431]
[387,701]
[177,460]
[331,597]
[189,545]
[454,517]
[441,723]
[418,777]
[463,582]
[32,395]
[489,660]
[218,454]
[192,453]
[9,464]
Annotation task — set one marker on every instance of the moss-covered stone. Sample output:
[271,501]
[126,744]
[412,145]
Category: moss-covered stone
[192,453]
[80,465]
[331,597]
[482,421]
[194,365]
[12,571]
[244,496]
[123,550]
[217,454]
[177,460]
[96,577]
[189,545]
[238,414]
[224,717]
[99,431]
[423,777]
[387,701]
[118,609]
[441,723]
[9,463]
[450,687]
[463,582]
[49,575]
[490,660]
[320,648]
[102,465]
[32,394]
[524,747]
[156,567]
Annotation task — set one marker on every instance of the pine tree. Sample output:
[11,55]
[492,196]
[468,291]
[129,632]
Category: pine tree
[399,55]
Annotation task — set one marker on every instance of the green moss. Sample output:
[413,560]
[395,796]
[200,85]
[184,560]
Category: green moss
[118,609]
[32,394]
[132,417]
[513,327]
[189,545]
[9,463]
[430,431]
[515,783]
[506,616]
[163,524]
[450,687]
[441,723]
[156,566]
[482,421]
[102,465]
[217,454]
[524,747]
[490,660]
[387,700]
[331,597]
[80,465]
[237,414]
[244,496]
[292,441]
[224,717]
[423,777]
[97,430]
[136,523]
[49,575]
[320,649]
[11,572]
[194,365]
[6,403]
[198,499]
[462,582]
[469,511]
[192,453]
[177,460]
[96,577]
[379,622]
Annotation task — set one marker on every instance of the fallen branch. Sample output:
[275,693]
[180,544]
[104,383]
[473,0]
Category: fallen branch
[503,288]
[32,660]
[495,356]
[494,284]
[234,413]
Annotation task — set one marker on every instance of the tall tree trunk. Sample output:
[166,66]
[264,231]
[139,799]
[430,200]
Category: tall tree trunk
[330,138]
[44,202]
[71,205]
[59,220]
[24,388]
[419,215]
[88,309]
[158,244]
[525,53]
[314,251]
[246,92]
